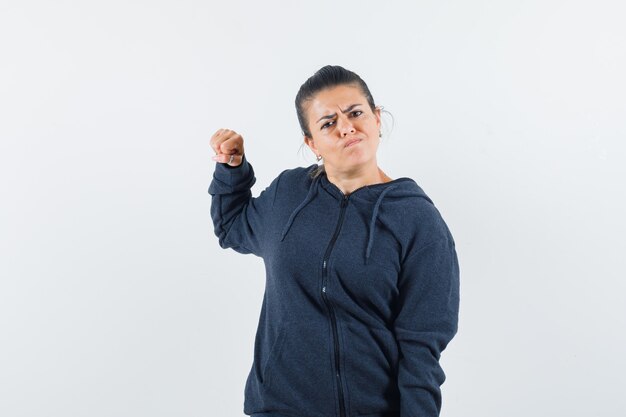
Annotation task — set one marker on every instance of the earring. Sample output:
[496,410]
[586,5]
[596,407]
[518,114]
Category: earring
[319,157]
[380,134]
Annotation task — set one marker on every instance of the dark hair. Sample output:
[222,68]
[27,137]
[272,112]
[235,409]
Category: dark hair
[327,77]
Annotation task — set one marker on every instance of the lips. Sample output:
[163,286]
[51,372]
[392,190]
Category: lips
[352,141]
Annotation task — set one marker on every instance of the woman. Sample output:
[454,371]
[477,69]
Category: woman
[362,277]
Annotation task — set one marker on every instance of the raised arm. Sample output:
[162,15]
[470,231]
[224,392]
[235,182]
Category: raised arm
[239,219]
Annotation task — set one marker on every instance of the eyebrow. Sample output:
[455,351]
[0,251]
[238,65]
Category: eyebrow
[330,116]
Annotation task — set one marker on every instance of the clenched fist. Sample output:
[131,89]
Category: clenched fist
[226,142]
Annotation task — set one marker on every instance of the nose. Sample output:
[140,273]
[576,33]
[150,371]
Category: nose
[345,127]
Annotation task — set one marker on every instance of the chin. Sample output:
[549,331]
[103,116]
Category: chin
[362,159]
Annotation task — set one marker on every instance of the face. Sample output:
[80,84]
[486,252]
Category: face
[338,117]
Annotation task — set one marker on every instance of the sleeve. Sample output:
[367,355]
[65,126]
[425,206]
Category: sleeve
[426,321]
[240,220]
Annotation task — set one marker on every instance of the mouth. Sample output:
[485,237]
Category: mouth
[352,142]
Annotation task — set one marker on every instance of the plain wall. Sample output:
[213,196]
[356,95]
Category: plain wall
[115,297]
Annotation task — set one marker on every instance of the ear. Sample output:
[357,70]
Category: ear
[310,143]
[377,113]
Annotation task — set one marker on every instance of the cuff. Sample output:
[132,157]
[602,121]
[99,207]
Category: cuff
[233,175]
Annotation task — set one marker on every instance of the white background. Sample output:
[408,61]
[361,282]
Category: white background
[115,297]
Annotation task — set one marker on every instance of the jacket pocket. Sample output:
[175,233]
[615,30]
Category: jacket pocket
[273,354]
[298,375]
[371,369]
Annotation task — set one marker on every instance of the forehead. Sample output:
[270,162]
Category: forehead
[339,97]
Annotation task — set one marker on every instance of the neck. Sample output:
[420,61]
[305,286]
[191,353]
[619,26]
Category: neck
[349,180]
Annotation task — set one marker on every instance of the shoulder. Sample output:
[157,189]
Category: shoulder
[422,222]
[300,171]
[291,182]
[296,175]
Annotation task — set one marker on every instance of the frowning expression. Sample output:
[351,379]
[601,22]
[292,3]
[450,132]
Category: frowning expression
[343,126]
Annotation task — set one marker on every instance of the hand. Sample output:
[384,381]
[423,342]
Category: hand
[226,142]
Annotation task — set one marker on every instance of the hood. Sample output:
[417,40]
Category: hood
[402,187]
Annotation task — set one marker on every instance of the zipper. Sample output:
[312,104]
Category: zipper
[333,319]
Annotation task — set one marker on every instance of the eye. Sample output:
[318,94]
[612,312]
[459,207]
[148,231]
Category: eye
[355,113]
[325,125]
